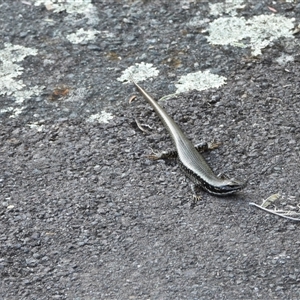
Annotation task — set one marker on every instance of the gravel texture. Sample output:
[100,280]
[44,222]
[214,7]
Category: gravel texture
[83,213]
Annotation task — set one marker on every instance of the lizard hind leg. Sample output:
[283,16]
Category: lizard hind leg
[196,196]
[162,155]
[141,126]
[138,123]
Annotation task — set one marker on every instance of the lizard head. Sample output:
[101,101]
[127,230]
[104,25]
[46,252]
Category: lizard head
[230,186]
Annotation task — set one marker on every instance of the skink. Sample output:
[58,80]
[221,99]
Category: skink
[189,159]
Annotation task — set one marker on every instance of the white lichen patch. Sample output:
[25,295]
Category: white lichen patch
[6,109]
[36,126]
[15,53]
[226,30]
[82,36]
[185,4]
[198,22]
[228,7]
[261,30]
[199,81]
[139,72]
[77,95]
[8,83]
[70,6]
[193,81]
[74,7]
[106,34]
[284,59]
[103,117]
[16,112]
[26,94]
[10,56]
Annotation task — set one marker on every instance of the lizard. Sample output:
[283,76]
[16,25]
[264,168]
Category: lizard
[189,158]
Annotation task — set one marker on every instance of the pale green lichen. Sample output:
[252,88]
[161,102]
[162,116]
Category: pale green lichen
[284,59]
[10,56]
[74,7]
[81,36]
[199,81]
[260,30]
[228,7]
[139,72]
[103,117]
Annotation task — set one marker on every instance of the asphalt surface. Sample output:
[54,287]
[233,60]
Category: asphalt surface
[85,215]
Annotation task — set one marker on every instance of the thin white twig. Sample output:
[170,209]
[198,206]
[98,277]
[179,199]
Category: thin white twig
[278,213]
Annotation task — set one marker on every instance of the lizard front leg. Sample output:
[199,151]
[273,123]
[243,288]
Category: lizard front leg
[203,147]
